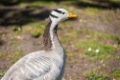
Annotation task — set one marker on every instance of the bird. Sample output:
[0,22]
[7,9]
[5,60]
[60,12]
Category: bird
[46,64]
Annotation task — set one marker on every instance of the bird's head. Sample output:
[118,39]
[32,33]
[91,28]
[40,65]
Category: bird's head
[61,14]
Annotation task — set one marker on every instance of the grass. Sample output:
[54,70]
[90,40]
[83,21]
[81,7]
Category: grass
[15,60]
[92,35]
[17,29]
[2,72]
[94,75]
[95,41]
[37,3]
[105,50]
[15,56]
[98,35]
[92,11]
[65,40]
[73,34]
[17,53]
[116,73]
[36,34]
[0,33]
[70,55]
[13,42]
[118,57]
[98,77]
[114,1]
[36,29]
[1,54]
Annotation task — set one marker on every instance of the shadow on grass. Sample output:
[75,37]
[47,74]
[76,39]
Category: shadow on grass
[16,16]
[102,4]
[11,14]
[15,2]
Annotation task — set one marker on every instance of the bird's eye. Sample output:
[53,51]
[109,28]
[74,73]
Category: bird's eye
[63,12]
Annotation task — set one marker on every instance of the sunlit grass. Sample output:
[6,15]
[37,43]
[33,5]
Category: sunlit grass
[73,34]
[69,54]
[18,53]
[94,75]
[1,54]
[15,56]
[116,73]
[36,29]
[37,3]
[92,11]
[65,40]
[13,42]
[2,73]
[105,50]
[114,1]
[98,35]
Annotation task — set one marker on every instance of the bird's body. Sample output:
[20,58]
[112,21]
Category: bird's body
[37,66]
[47,64]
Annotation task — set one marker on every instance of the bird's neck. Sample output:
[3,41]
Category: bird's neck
[51,40]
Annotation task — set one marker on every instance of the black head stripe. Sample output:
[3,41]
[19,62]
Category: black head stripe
[56,10]
[53,16]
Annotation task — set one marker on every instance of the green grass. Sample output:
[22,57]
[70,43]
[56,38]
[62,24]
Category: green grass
[114,1]
[94,75]
[2,73]
[69,54]
[15,60]
[0,34]
[98,77]
[98,35]
[118,57]
[16,56]
[73,34]
[17,29]
[65,40]
[14,43]
[1,54]
[105,50]
[36,29]
[116,73]
[92,35]
[92,11]
[37,3]
[95,40]
[36,34]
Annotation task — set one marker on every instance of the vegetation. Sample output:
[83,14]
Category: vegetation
[116,73]
[15,56]
[1,54]
[2,73]
[94,75]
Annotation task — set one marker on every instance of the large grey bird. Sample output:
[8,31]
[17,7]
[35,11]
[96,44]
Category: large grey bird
[47,64]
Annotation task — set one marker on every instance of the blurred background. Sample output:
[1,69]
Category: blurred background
[92,41]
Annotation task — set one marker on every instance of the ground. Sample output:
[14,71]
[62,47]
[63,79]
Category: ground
[92,41]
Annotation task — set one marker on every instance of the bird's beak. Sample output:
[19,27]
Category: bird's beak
[71,15]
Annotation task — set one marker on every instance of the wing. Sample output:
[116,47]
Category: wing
[29,68]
